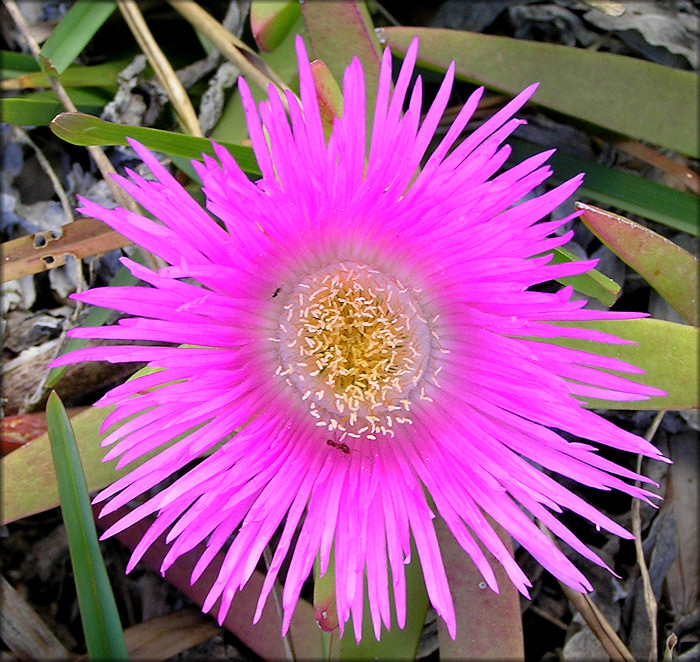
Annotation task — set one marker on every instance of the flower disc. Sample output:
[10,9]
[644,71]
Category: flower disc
[354,343]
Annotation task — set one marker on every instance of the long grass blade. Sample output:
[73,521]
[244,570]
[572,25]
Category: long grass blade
[80,129]
[98,610]
[75,30]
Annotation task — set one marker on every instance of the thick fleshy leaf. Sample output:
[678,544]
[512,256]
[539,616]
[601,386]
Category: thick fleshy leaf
[263,637]
[670,270]
[29,482]
[626,95]
[489,626]
[611,186]
[593,283]
[324,596]
[393,644]
[15,431]
[667,352]
[271,21]
[282,60]
[330,98]
[98,610]
[80,129]
[336,33]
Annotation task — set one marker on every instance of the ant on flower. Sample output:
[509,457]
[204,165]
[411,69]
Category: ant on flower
[342,447]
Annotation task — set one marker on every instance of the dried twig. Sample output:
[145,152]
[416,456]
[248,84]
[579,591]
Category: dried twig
[684,176]
[97,154]
[286,638]
[63,198]
[649,598]
[23,136]
[231,47]
[23,631]
[599,625]
[161,66]
[46,250]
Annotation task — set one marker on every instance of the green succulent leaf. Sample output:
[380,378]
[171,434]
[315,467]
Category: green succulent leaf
[330,98]
[625,95]
[29,482]
[667,352]
[232,125]
[393,644]
[670,270]
[593,283]
[98,610]
[489,625]
[271,21]
[336,33]
[610,186]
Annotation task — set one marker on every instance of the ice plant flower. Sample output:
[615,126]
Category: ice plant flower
[350,333]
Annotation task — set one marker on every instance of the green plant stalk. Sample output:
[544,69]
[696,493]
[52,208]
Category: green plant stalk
[98,610]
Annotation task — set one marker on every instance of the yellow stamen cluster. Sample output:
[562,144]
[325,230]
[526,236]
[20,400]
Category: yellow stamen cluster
[354,343]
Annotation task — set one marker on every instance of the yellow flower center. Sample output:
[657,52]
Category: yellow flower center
[355,344]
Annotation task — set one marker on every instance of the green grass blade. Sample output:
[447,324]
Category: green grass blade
[98,611]
[636,195]
[15,64]
[98,75]
[81,129]
[39,108]
[75,30]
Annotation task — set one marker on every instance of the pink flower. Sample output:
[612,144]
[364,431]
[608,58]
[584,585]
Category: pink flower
[354,332]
